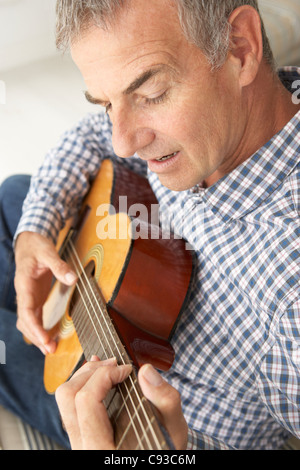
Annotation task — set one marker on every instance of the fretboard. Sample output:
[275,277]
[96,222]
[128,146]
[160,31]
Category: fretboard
[132,416]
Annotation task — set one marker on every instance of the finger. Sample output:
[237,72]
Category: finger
[60,269]
[95,428]
[30,326]
[167,401]
[35,254]
[89,367]
[30,299]
[36,259]
[67,397]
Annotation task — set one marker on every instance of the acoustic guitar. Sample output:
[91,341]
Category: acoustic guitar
[133,283]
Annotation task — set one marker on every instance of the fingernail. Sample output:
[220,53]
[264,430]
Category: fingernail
[70,278]
[110,361]
[50,348]
[152,376]
[43,350]
[105,362]
[94,359]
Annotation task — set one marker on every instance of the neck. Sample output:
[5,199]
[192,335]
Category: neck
[269,108]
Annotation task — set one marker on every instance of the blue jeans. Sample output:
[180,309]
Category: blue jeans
[21,377]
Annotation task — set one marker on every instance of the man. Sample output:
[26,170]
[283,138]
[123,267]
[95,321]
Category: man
[217,134]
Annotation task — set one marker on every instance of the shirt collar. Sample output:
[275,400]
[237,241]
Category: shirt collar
[247,186]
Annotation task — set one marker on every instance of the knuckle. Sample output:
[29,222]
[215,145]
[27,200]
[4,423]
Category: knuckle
[58,266]
[171,400]
[64,393]
[82,398]
[57,263]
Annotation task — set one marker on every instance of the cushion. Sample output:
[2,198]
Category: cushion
[16,435]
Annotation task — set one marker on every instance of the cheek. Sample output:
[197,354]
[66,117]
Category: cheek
[193,122]
[200,128]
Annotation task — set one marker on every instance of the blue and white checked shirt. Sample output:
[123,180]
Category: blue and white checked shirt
[237,345]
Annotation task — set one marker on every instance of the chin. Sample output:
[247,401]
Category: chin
[177,184]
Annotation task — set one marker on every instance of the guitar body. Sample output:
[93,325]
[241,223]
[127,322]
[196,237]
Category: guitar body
[125,268]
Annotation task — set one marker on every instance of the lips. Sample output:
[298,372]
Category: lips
[166,157]
[164,164]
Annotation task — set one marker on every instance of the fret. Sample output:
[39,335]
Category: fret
[110,401]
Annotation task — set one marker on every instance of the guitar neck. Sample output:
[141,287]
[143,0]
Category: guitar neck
[132,416]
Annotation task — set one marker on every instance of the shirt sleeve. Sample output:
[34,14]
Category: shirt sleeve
[279,377]
[59,186]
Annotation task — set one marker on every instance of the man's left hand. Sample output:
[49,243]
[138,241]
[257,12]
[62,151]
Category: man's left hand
[80,401]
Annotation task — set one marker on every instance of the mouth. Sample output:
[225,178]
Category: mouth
[166,163]
[166,157]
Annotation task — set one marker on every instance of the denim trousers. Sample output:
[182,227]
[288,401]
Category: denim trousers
[21,366]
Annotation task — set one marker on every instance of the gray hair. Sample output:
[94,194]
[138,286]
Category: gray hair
[204,23]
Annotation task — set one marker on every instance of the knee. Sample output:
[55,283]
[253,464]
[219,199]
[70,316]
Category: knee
[13,191]
[15,184]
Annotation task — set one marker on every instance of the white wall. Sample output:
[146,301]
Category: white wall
[41,90]
[27,31]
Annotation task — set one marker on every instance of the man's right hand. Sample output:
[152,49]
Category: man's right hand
[37,261]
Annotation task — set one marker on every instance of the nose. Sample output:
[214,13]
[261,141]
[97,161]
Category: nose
[129,134]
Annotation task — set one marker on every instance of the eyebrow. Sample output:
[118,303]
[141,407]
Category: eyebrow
[143,78]
[135,85]
[93,100]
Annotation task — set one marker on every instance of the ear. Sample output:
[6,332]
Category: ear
[246,47]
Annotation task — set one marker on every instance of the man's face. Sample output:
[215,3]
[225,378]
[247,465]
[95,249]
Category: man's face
[164,101]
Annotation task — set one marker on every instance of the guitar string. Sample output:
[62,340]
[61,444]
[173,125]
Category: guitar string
[132,382]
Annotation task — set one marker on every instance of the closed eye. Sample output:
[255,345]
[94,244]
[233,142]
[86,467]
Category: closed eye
[157,99]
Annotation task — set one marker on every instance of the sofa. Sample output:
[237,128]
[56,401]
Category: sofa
[282,21]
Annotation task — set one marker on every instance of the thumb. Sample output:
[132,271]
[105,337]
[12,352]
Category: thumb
[167,401]
[51,259]
[60,269]
[35,254]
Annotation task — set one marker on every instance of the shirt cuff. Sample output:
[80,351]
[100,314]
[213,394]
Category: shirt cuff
[199,441]
[192,443]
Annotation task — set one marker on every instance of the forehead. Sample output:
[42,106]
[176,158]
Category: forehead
[145,34]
